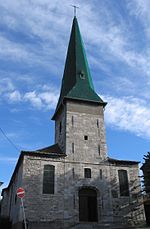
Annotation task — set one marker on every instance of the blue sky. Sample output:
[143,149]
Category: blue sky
[34,38]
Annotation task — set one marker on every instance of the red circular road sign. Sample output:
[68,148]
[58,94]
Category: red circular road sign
[20,192]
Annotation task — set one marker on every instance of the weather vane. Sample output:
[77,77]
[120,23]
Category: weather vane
[75,9]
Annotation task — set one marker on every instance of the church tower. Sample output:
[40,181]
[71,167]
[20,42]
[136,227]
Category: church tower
[79,115]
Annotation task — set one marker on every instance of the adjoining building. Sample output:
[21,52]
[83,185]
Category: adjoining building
[73,183]
[146,181]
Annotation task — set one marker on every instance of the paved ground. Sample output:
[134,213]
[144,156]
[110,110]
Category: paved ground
[143,227]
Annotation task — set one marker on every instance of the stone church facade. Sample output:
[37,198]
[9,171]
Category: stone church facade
[73,183]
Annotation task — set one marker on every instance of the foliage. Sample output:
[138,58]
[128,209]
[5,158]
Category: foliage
[146,173]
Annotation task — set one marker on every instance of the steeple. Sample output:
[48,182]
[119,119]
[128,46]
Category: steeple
[77,82]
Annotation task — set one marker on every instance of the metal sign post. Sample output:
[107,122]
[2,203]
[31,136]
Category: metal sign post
[24,216]
[21,194]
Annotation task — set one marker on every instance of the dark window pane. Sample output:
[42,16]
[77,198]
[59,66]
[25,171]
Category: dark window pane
[48,179]
[100,174]
[72,147]
[60,127]
[123,183]
[72,120]
[85,137]
[97,123]
[99,150]
[73,172]
[114,193]
[87,173]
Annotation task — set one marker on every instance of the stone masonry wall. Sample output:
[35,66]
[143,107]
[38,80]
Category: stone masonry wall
[69,178]
[129,208]
[63,206]
[10,202]
[39,206]
[60,129]
[85,120]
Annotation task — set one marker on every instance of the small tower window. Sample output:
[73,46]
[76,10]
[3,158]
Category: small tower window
[72,120]
[73,173]
[100,174]
[72,147]
[97,123]
[99,150]
[87,173]
[85,137]
[74,201]
[60,127]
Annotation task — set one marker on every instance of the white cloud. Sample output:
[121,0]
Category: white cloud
[33,98]
[14,96]
[24,53]
[6,85]
[49,98]
[12,50]
[141,8]
[105,37]
[38,22]
[44,20]
[45,98]
[128,114]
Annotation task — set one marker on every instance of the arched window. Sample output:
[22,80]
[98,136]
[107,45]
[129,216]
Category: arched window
[48,179]
[123,182]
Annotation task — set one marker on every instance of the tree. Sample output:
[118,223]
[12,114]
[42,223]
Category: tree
[146,173]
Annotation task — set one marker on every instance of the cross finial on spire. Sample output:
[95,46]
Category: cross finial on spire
[75,9]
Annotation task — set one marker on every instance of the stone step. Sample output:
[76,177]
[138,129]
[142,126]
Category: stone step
[99,226]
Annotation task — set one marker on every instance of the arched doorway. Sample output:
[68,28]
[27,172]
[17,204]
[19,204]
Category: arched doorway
[88,205]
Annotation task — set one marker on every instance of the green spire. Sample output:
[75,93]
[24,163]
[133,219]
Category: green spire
[77,82]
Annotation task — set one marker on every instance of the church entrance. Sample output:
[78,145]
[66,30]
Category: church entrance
[87,205]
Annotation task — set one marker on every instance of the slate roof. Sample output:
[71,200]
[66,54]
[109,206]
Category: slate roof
[53,149]
[77,81]
[125,162]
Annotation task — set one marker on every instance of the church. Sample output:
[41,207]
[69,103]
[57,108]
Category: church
[74,183]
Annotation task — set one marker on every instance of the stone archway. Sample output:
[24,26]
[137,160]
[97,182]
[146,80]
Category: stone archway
[88,205]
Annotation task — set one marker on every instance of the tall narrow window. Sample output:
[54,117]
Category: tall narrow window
[87,173]
[48,179]
[72,120]
[100,174]
[72,147]
[97,123]
[73,173]
[99,150]
[74,201]
[123,183]
[60,127]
